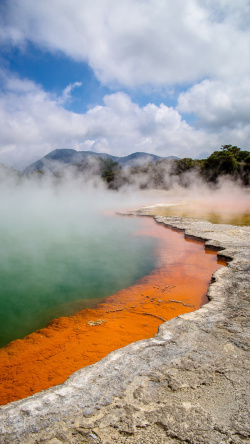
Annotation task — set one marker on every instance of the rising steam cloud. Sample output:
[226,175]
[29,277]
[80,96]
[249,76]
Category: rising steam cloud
[59,232]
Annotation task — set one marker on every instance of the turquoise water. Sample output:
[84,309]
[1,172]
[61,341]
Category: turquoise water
[60,253]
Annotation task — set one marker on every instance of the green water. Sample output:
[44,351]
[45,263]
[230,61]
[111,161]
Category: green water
[60,254]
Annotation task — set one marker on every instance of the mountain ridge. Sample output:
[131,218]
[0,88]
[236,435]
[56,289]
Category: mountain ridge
[62,157]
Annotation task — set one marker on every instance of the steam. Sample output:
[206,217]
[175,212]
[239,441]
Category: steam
[62,244]
[62,249]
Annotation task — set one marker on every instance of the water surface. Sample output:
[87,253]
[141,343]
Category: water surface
[177,285]
[61,252]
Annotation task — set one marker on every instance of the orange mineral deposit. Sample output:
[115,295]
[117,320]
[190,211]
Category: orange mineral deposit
[48,356]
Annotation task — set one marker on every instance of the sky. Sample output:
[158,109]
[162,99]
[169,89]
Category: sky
[158,76]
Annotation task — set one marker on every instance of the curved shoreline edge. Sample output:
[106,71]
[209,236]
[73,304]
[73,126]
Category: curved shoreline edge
[189,383]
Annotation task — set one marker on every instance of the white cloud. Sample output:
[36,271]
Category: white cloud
[133,43]
[138,42]
[66,94]
[218,104]
[34,123]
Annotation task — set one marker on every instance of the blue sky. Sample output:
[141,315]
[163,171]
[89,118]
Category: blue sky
[55,72]
[169,78]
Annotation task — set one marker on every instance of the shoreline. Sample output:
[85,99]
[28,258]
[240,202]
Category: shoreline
[67,344]
[188,383]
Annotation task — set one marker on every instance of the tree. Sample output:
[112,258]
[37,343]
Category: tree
[230,160]
[109,170]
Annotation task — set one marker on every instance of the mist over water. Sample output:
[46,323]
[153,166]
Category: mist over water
[61,250]
[229,203]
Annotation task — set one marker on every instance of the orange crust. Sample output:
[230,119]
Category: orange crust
[48,356]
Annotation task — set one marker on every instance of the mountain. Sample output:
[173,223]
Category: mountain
[59,159]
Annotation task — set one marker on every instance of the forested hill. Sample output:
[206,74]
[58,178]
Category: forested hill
[146,171]
[229,162]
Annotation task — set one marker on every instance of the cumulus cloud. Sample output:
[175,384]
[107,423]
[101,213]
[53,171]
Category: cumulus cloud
[34,123]
[218,104]
[140,42]
[201,46]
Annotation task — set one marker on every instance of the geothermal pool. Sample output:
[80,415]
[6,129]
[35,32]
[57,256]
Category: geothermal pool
[55,269]
[176,276]
[100,281]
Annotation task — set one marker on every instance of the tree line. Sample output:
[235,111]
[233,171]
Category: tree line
[230,161]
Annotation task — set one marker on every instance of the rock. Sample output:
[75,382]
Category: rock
[97,322]
[190,383]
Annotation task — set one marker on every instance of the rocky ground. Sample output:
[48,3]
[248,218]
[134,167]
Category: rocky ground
[188,384]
